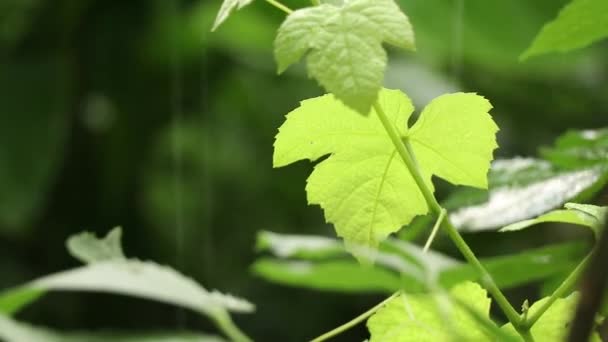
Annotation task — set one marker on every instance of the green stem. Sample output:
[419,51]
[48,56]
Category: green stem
[280,6]
[354,321]
[485,277]
[429,241]
[315,2]
[227,326]
[561,291]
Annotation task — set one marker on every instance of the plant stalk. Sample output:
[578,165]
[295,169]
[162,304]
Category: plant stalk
[280,6]
[226,325]
[354,321]
[315,2]
[435,207]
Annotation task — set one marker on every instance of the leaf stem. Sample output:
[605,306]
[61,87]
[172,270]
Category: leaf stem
[485,277]
[429,241]
[280,6]
[315,2]
[561,291]
[354,321]
[226,325]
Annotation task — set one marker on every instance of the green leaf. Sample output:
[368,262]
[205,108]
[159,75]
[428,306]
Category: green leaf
[343,45]
[364,188]
[580,214]
[144,280]
[553,325]
[532,191]
[419,318]
[228,6]
[578,24]
[577,149]
[339,275]
[328,267]
[87,248]
[13,331]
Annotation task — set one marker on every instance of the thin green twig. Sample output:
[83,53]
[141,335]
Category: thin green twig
[280,6]
[354,321]
[429,241]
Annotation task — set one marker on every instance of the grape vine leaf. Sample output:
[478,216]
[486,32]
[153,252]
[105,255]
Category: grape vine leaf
[419,318]
[87,248]
[343,44]
[364,188]
[578,24]
[553,325]
[228,6]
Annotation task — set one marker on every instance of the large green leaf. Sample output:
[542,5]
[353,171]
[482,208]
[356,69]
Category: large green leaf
[553,325]
[425,317]
[13,331]
[343,44]
[364,188]
[227,7]
[579,24]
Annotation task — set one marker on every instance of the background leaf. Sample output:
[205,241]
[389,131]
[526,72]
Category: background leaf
[579,24]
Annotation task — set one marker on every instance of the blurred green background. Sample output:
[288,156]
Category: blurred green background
[132,113]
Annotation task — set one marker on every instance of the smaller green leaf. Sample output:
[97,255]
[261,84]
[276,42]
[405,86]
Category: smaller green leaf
[87,248]
[553,325]
[338,275]
[228,6]
[425,318]
[343,45]
[14,331]
[580,214]
[579,24]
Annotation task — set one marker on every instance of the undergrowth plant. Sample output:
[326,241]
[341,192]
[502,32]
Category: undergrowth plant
[373,177]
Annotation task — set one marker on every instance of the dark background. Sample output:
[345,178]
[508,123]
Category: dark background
[132,113]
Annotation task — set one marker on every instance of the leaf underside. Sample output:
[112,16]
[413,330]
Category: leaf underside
[228,6]
[343,45]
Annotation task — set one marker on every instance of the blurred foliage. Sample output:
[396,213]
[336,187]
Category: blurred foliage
[131,113]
